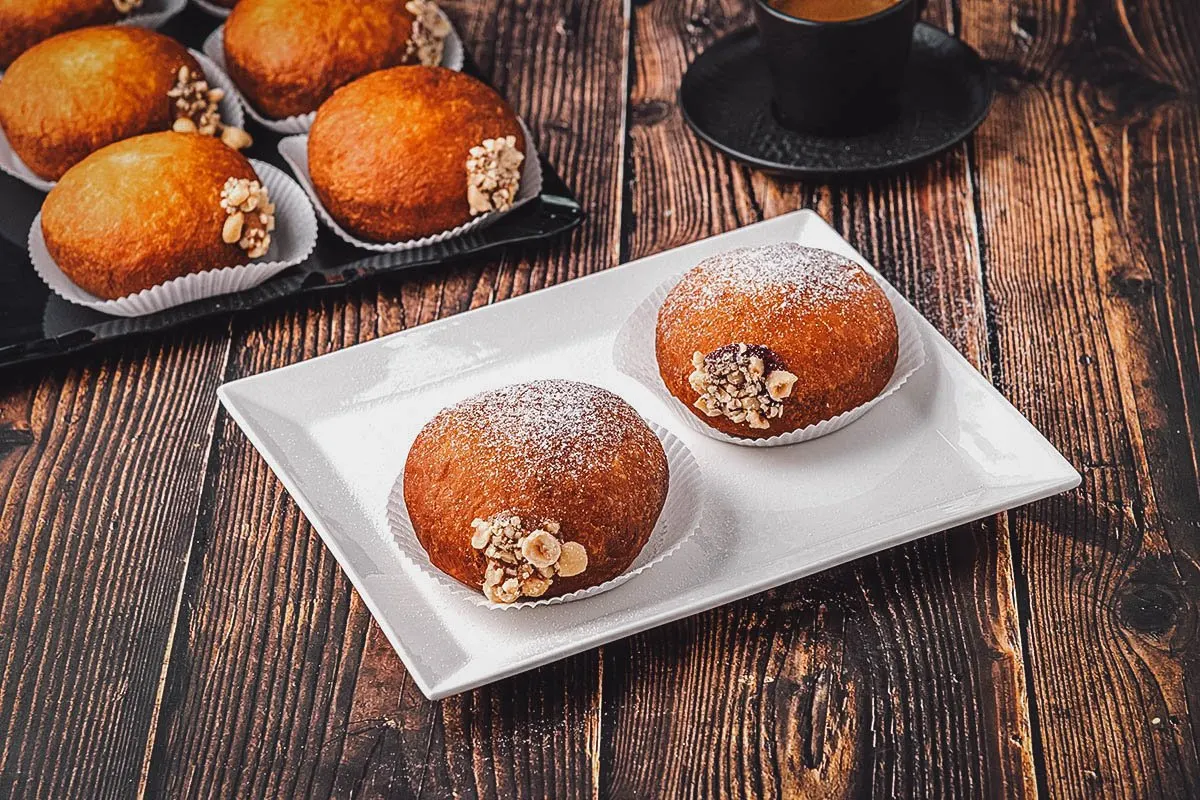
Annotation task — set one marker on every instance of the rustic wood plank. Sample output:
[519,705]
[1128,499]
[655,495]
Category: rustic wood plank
[1088,178]
[283,685]
[264,681]
[898,675]
[101,463]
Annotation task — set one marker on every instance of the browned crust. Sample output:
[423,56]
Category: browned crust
[388,153]
[24,23]
[843,353]
[143,211]
[79,91]
[610,508]
[287,56]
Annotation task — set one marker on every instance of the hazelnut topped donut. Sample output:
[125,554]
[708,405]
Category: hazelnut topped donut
[24,23]
[762,341]
[536,489]
[287,56]
[81,90]
[158,206]
[413,151]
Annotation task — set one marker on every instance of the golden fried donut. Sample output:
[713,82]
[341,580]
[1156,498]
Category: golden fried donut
[152,208]
[536,489]
[287,56]
[762,341]
[24,23]
[412,151]
[78,91]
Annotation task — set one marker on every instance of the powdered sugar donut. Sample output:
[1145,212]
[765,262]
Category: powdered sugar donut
[762,341]
[536,489]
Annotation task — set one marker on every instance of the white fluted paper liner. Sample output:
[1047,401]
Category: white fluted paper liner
[214,47]
[294,150]
[679,520]
[231,114]
[213,8]
[634,355]
[294,238]
[11,164]
[153,13]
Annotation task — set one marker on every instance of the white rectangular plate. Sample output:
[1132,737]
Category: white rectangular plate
[944,450]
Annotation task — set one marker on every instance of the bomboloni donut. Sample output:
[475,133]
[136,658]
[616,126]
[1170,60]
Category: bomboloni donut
[762,341]
[536,489]
[79,91]
[413,151]
[155,207]
[287,56]
[24,23]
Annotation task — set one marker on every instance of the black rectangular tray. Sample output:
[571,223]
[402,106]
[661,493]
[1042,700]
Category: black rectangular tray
[35,323]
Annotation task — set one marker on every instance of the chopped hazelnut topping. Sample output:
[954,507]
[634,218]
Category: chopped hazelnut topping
[236,138]
[493,175]
[126,6]
[523,562]
[197,110]
[429,31]
[780,383]
[541,549]
[743,382]
[250,216]
[573,559]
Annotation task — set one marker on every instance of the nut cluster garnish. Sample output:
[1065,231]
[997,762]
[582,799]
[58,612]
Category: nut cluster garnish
[197,110]
[429,31]
[250,216]
[493,175]
[743,382]
[126,6]
[523,562]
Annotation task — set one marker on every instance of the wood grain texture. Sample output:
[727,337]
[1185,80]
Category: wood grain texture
[269,637]
[1087,185]
[899,675]
[171,626]
[284,686]
[100,475]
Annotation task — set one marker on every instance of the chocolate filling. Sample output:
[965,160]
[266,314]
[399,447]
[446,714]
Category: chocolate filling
[523,558]
[746,383]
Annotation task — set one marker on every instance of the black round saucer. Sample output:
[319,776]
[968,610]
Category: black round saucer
[726,98]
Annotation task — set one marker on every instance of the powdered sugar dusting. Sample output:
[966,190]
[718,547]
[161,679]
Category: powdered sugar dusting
[552,426]
[809,277]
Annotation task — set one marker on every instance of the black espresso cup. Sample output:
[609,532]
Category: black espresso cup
[837,78]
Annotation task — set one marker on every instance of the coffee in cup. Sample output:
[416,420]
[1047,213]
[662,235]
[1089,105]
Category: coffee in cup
[831,10]
[838,70]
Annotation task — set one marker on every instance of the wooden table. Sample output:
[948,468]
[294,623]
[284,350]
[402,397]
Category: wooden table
[171,626]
